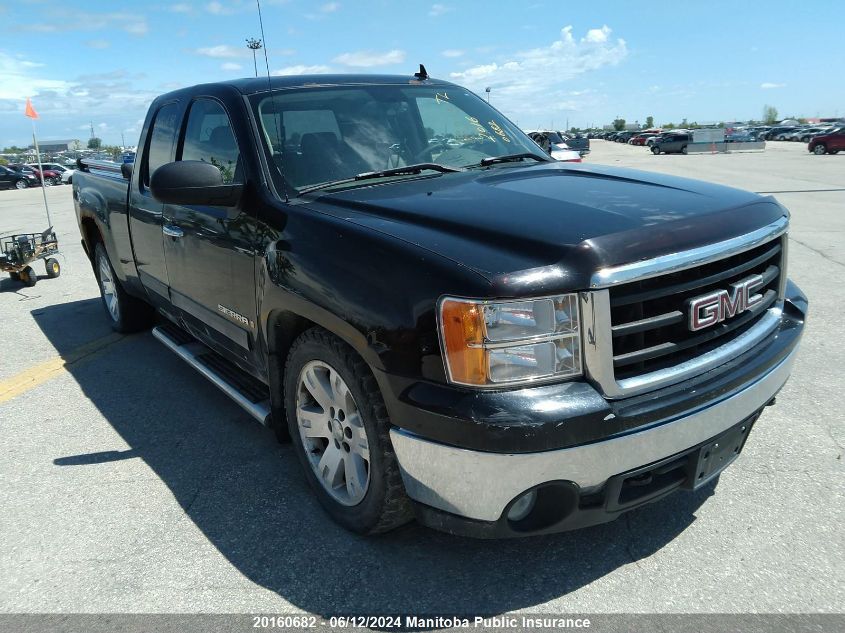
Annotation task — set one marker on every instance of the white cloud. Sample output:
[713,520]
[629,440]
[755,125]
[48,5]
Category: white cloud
[99,44]
[16,84]
[223,51]
[218,8]
[63,104]
[598,35]
[533,82]
[323,11]
[452,52]
[180,7]
[301,69]
[438,10]
[368,59]
[230,66]
[132,23]
[768,86]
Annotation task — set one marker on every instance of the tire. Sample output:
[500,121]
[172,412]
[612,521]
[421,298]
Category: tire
[28,277]
[819,149]
[21,184]
[320,358]
[684,149]
[53,268]
[655,150]
[57,180]
[833,151]
[127,314]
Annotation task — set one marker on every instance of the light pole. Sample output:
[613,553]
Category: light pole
[253,45]
[487,90]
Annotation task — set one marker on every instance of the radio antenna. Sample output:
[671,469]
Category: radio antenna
[279,140]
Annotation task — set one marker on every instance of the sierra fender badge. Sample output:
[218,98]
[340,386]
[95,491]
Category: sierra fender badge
[240,318]
[715,307]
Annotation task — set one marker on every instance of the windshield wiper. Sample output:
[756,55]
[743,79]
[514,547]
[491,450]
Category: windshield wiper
[385,173]
[509,158]
[407,169]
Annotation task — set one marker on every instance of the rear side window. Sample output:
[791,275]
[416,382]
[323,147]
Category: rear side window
[160,148]
[209,138]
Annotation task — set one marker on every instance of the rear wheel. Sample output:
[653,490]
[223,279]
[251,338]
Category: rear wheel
[127,313]
[819,149]
[21,184]
[684,149]
[340,431]
[28,277]
[53,268]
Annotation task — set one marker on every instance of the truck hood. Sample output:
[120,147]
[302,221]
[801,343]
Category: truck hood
[552,225]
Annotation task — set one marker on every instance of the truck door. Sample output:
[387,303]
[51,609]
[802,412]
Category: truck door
[210,250]
[145,212]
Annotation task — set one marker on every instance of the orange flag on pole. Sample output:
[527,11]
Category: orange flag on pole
[30,111]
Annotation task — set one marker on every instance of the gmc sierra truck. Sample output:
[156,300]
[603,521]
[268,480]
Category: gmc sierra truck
[445,322]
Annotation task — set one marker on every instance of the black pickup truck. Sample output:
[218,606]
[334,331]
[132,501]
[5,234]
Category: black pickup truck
[445,322]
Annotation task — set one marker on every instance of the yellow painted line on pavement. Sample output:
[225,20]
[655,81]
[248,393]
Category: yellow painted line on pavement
[49,369]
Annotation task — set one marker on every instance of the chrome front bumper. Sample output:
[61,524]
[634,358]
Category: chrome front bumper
[478,485]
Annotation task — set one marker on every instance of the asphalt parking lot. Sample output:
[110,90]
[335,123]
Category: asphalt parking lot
[130,484]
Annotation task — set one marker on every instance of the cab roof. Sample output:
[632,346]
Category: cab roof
[253,85]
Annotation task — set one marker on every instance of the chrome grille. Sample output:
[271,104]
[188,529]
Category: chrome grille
[636,337]
[649,317]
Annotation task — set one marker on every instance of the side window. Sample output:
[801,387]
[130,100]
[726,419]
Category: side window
[209,138]
[160,148]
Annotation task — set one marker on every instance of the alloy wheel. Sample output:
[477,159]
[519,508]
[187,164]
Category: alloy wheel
[332,432]
[109,291]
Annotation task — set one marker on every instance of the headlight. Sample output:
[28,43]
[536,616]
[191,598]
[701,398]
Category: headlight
[501,343]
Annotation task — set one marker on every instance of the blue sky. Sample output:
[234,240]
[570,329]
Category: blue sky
[546,61]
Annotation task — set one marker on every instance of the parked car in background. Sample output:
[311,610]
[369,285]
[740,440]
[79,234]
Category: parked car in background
[671,144]
[65,173]
[49,179]
[576,142]
[624,137]
[806,135]
[12,178]
[780,133]
[640,139]
[553,144]
[831,143]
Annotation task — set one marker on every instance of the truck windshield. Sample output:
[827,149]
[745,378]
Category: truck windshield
[323,135]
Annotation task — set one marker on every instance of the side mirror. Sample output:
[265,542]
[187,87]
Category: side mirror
[126,170]
[193,182]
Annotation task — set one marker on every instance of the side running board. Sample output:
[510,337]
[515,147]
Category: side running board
[251,394]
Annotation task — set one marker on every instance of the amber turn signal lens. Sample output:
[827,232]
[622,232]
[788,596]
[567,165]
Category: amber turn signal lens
[463,335]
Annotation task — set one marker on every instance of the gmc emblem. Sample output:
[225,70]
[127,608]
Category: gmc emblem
[717,306]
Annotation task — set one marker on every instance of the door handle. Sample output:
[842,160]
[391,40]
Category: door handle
[172,231]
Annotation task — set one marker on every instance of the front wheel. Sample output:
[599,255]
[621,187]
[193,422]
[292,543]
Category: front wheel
[127,313]
[684,149]
[655,150]
[21,184]
[819,149]
[53,268]
[340,431]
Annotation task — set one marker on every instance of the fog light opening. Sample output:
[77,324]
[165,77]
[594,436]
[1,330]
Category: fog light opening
[523,506]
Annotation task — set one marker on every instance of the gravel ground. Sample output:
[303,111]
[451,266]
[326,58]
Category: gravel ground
[130,484]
